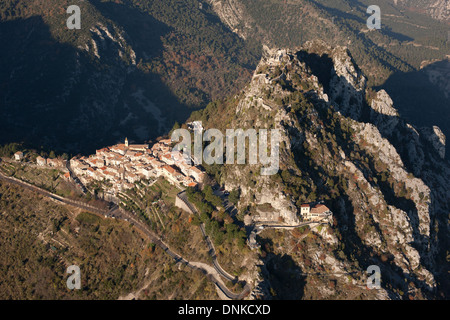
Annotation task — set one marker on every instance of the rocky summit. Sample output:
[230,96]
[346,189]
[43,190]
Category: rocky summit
[385,181]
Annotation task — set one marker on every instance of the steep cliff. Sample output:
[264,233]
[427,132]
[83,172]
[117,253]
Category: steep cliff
[387,186]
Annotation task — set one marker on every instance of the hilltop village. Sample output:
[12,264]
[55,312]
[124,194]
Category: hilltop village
[124,164]
[120,166]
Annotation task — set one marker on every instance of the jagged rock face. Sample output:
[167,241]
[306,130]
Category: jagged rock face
[437,9]
[394,191]
[233,14]
[436,138]
[384,115]
[440,10]
[383,104]
[348,83]
[282,206]
[439,75]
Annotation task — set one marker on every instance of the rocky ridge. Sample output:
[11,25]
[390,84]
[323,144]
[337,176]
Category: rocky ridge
[387,187]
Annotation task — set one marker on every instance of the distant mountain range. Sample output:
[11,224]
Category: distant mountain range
[136,67]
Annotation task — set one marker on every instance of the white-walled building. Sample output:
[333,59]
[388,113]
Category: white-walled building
[304,210]
[125,164]
[18,155]
[41,161]
[318,212]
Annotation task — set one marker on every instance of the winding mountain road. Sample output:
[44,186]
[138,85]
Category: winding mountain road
[212,251]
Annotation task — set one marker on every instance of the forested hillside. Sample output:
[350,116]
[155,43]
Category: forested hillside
[41,238]
[133,69]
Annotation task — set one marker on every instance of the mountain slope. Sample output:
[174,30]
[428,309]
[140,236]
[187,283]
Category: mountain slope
[133,69]
[346,146]
[41,238]
[404,41]
[392,58]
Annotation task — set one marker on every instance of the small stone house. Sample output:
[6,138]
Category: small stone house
[40,161]
[18,156]
[318,212]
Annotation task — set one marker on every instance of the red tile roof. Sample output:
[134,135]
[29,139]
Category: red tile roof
[170,169]
[320,208]
[196,170]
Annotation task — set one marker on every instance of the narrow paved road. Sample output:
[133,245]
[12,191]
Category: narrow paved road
[277,226]
[118,213]
[212,250]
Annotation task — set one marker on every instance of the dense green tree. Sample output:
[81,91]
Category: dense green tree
[234,196]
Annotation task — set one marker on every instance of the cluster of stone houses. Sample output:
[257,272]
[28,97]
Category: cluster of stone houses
[125,164]
[314,213]
[57,163]
[41,161]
